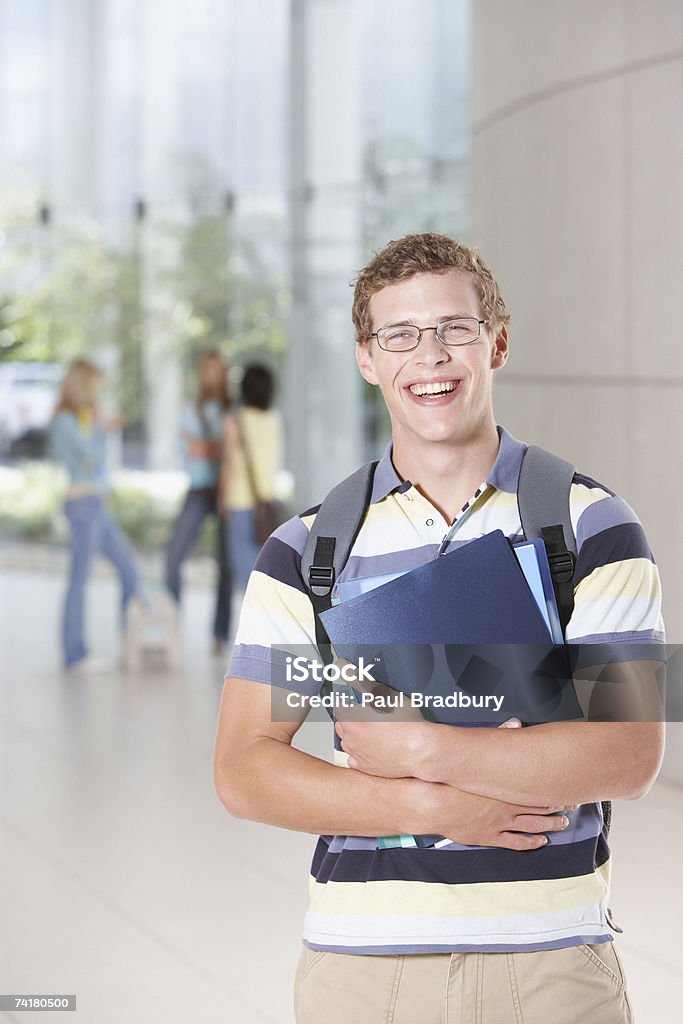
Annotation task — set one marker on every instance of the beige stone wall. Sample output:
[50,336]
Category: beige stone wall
[577,171]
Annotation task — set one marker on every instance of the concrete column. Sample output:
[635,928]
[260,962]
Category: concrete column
[323,393]
[78,129]
[160,253]
[577,159]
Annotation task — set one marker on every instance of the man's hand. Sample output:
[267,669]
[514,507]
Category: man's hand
[383,746]
[473,820]
[392,745]
[379,742]
[479,821]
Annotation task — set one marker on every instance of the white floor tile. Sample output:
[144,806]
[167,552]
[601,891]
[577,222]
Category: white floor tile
[122,879]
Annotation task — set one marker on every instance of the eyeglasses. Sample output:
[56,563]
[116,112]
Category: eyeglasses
[460,330]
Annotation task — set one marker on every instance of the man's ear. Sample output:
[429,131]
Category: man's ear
[500,349]
[365,362]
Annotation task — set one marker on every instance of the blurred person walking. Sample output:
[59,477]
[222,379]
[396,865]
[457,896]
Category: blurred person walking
[78,440]
[201,439]
[253,448]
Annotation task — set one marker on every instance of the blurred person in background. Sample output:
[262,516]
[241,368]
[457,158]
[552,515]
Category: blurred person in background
[252,447]
[78,440]
[202,431]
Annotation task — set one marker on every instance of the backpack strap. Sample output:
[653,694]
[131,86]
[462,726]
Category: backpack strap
[543,498]
[329,543]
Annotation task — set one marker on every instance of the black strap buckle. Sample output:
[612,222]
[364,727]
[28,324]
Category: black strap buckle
[321,576]
[562,566]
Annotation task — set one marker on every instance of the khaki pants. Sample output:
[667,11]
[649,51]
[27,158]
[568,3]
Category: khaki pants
[575,985]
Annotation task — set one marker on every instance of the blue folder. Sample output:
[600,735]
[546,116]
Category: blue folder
[465,622]
[533,559]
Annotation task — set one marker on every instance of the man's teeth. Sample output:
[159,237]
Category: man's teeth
[433,388]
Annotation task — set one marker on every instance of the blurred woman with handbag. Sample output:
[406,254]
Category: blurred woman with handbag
[253,448]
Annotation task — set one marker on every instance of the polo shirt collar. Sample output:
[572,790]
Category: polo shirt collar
[504,473]
[386,478]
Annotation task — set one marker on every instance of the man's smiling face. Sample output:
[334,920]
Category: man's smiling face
[434,393]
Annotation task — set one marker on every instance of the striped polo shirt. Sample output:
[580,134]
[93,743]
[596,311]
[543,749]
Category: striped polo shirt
[422,894]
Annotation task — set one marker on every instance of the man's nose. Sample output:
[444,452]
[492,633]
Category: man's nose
[430,350]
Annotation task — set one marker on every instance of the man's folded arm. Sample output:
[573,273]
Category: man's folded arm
[559,763]
[259,775]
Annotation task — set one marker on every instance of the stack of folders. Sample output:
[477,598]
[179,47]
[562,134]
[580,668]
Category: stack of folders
[462,632]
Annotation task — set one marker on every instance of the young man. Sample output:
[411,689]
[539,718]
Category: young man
[508,921]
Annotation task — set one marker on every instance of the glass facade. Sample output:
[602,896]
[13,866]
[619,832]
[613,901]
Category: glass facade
[181,175]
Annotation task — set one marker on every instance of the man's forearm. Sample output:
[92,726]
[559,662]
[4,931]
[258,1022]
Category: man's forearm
[557,763]
[280,785]
[261,776]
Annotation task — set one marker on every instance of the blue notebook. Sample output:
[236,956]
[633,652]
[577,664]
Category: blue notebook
[531,556]
[467,623]
[349,589]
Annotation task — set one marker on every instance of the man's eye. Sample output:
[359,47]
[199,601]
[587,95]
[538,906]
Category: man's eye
[456,327]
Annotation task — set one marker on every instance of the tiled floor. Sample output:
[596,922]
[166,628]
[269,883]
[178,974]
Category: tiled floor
[122,879]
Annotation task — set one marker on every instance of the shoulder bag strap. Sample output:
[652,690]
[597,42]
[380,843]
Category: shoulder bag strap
[247,459]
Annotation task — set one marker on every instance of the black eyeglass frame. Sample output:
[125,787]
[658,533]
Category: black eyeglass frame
[436,329]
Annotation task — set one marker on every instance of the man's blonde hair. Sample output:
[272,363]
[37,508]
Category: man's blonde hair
[424,253]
